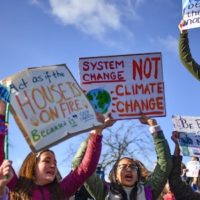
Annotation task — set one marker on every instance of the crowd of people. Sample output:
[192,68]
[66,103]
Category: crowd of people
[129,179]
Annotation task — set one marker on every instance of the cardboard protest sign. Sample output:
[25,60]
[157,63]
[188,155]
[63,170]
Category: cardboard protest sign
[193,168]
[124,85]
[189,129]
[191,13]
[49,106]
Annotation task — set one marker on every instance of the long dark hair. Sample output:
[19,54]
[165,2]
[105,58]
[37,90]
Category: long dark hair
[117,189]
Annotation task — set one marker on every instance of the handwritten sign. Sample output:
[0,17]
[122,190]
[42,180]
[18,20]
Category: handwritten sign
[186,124]
[49,106]
[192,168]
[189,129]
[191,13]
[124,85]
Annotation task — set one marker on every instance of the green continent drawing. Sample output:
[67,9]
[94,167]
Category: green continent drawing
[100,100]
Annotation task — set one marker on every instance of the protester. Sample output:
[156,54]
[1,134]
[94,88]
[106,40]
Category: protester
[6,174]
[185,54]
[181,190]
[37,175]
[128,179]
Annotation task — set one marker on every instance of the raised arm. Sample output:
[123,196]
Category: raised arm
[94,184]
[106,122]
[159,177]
[181,189]
[86,160]
[185,54]
[87,166]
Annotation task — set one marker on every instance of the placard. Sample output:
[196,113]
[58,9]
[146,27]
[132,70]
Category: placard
[124,85]
[191,13]
[49,106]
[192,168]
[189,137]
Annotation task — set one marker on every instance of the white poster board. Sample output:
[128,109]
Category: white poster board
[189,129]
[124,85]
[191,13]
[193,168]
[49,106]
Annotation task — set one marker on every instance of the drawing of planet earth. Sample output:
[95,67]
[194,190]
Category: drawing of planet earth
[100,100]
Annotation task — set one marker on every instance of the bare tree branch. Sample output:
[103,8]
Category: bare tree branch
[127,139]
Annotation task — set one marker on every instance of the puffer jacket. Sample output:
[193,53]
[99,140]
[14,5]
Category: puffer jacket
[186,56]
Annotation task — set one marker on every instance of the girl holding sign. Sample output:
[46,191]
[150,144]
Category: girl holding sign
[185,54]
[128,177]
[181,189]
[37,175]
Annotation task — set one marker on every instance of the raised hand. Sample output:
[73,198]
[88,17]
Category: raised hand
[6,173]
[148,121]
[175,137]
[181,25]
[106,122]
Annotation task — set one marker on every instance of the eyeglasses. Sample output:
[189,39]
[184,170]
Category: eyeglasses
[125,167]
